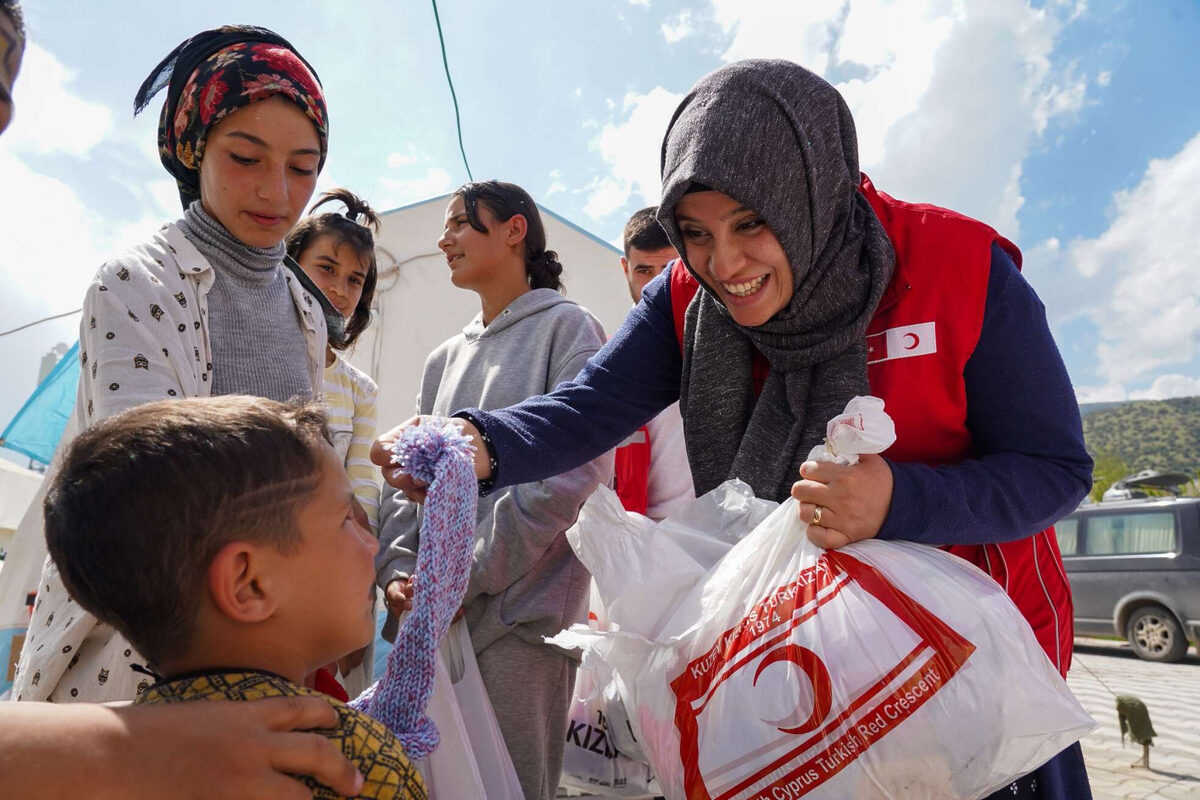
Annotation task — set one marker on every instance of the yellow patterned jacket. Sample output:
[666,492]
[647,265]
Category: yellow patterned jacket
[365,741]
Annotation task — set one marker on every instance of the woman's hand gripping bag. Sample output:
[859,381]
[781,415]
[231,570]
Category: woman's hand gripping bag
[880,670]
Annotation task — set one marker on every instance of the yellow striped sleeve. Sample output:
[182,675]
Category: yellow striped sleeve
[350,400]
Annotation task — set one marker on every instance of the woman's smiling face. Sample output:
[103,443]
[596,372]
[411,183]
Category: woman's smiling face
[735,254]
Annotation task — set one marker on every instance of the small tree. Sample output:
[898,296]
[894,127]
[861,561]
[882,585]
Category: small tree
[1193,486]
[1109,468]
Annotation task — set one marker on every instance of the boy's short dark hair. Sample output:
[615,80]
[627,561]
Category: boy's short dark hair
[145,500]
[643,232]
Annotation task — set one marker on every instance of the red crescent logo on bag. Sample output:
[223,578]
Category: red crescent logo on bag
[818,676]
[823,734]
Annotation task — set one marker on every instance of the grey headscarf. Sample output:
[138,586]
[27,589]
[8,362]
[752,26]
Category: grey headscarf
[780,141]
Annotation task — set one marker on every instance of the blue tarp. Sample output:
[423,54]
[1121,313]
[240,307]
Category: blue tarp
[38,426]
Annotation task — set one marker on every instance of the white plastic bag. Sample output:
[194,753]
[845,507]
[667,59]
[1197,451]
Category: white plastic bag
[591,760]
[450,770]
[471,760]
[654,566]
[880,670]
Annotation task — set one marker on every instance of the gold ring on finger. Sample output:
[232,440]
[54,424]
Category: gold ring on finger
[816,519]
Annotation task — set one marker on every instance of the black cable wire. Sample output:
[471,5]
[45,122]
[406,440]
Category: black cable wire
[453,96]
[40,321]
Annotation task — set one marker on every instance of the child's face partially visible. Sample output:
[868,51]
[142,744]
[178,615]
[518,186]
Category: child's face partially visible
[326,591]
[337,270]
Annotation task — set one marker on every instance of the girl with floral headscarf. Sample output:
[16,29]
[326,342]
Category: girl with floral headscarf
[801,285]
[207,305]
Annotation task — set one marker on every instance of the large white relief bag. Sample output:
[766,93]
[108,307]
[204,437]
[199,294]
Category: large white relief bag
[880,670]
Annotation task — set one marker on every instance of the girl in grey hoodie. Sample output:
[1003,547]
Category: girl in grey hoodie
[525,581]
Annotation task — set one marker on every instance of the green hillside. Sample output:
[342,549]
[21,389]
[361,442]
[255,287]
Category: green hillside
[1148,434]
[1088,408]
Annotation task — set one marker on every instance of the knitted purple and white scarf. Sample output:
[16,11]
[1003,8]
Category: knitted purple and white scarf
[436,452]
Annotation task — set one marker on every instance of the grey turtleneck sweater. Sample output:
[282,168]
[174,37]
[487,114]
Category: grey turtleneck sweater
[258,345]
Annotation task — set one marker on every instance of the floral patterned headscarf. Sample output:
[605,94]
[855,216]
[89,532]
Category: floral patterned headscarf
[215,73]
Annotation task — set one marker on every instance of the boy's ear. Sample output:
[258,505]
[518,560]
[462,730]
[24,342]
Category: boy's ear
[515,229]
[239,582]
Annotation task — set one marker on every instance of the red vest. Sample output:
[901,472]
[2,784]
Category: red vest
[631,471]
[923,333]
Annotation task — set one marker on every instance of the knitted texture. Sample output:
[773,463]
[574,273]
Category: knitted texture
[437,453]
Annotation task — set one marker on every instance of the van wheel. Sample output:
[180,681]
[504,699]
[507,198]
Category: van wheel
[1154,635]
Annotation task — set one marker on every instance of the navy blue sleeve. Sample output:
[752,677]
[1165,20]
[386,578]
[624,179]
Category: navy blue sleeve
[1029,467]
[633,377]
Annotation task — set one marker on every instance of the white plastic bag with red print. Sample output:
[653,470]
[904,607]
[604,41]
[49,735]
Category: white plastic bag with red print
[880,670]
[592,762]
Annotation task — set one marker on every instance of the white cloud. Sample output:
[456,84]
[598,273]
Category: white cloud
[434,182]
[948,97]
[50,118]
[630,149]
[1137,284]
[1108,393]
[405,159]
[1060,99]
[992,92]
[1143,271]
[414,177]
[1104,78]
[1166,386]
[642,3]
[56,221]
[556,183]
[46,222]
[606,196]
[680,27]
[780,29]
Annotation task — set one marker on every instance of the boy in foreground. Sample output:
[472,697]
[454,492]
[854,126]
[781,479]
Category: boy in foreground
[219,536]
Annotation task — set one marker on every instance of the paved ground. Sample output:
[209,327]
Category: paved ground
[1171,693]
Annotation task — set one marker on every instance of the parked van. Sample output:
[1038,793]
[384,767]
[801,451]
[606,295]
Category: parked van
[1134,568]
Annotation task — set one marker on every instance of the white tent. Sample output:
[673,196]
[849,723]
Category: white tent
[21,536]
[417,308]
[17,489]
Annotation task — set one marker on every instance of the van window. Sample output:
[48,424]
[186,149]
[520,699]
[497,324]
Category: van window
[1124,534]
[1067,531]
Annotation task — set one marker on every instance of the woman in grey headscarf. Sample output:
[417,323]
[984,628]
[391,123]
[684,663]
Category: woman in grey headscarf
[800,287]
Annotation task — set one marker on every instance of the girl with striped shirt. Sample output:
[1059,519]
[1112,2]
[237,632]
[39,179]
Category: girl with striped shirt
[337,251]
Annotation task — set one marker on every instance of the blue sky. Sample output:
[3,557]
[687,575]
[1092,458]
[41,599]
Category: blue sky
[1073,127]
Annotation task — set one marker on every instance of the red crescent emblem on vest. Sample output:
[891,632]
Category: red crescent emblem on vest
[916,340]
[818,676]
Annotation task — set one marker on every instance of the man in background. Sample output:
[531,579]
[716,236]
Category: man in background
[652,473]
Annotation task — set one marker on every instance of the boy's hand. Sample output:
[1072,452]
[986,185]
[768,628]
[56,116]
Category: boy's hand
[398,595]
